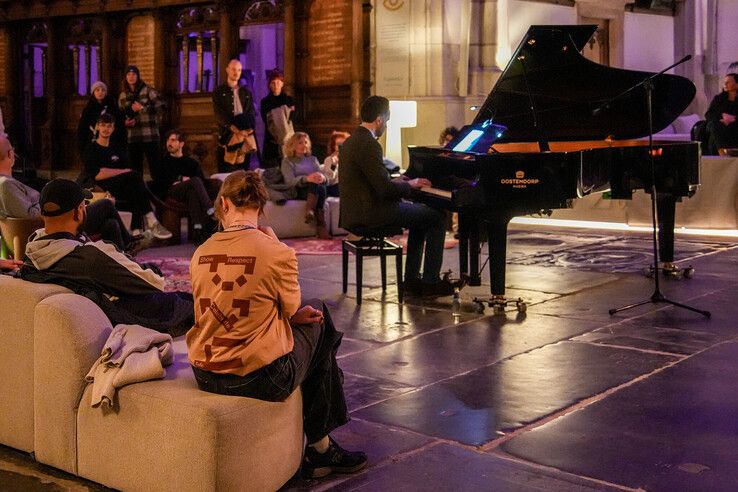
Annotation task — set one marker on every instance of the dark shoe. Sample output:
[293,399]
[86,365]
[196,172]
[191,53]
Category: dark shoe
[413,287]
[334,460]
[439,289]
[139,243]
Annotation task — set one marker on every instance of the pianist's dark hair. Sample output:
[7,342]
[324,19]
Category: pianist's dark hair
[372,107]
[734,75]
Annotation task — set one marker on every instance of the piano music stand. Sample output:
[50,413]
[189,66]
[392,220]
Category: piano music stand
[656,296]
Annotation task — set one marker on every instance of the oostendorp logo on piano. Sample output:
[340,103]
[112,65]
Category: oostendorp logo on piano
[520,181]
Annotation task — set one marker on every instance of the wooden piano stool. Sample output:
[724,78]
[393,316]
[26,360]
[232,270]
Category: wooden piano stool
[373,242]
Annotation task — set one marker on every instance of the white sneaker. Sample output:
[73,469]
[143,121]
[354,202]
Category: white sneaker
[159,231]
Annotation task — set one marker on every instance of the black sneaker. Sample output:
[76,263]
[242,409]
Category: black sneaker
[334,460]
[413,287]
[439,289]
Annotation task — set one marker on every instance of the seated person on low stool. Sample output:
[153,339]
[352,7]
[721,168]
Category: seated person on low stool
[301,171]
[371,198]
[106,166]
[182,179]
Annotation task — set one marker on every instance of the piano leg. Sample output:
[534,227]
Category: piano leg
[497,249]
[469,249]
[667,205]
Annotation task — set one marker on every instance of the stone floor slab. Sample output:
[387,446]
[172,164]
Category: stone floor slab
[361,391]
[449,468]
[379,442]
[458,349]
[676,430]
[646,337]
[478,407]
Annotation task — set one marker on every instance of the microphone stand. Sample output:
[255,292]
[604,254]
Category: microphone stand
[657,296]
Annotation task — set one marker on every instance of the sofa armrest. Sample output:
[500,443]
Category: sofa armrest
[70,331]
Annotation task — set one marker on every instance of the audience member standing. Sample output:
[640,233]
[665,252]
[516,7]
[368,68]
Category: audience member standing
[276,112]
[183,180]
[301,170]
[270,342]
[141,105]
[106,166]
[99,102]
[233,105]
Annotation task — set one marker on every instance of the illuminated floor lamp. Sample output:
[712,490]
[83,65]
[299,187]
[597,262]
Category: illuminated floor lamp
[403,114]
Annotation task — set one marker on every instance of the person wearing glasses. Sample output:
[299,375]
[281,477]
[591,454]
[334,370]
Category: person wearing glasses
[22,202]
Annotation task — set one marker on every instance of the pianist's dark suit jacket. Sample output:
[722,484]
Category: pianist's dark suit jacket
[369,197]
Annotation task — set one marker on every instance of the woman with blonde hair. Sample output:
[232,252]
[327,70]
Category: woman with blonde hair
[301,171]
[251,335]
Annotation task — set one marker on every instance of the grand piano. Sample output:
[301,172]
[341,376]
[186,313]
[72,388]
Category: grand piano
[556,127]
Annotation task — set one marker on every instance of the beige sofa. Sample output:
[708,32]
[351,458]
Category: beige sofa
[161,435]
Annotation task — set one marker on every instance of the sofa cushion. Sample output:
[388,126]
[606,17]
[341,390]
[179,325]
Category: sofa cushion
[169,435]
[18,300]
[72,331]
[288,220]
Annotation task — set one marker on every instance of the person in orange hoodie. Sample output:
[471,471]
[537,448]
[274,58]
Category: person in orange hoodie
[252,335]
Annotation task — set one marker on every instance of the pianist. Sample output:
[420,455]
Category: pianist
[370,198]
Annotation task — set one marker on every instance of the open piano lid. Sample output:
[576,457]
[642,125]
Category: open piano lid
[567,89]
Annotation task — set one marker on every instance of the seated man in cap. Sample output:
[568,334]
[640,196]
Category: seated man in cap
[126,291]
[22,202]
[106,166]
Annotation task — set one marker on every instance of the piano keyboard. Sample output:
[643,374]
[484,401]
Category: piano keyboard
[437,192]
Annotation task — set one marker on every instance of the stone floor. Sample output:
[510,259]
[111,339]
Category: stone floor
[561,397]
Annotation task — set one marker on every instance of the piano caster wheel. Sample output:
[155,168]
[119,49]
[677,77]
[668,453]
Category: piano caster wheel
[688,272]
[521,305]
[498,309]
[648,272]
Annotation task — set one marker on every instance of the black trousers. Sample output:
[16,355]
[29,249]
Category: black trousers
[193,193]
[136,153]
[130,193]
[311,365]
[102,220]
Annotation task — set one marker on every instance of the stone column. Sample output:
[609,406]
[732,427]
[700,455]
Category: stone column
[228,36]
[289,46]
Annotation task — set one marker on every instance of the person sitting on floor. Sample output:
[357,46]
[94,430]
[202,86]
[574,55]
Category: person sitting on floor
[330,164]
[301,171]
[126,291]
[106,166]
[269,343]
[181,178]
[22,202]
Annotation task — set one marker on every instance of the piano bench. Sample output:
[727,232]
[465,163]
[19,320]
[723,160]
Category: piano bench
[373,242]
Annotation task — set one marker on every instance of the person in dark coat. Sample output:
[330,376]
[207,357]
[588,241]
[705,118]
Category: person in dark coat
[100,102]
[371,198]
[721,117]
[271,154]
[233,106]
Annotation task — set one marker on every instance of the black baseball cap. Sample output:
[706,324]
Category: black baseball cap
[59,196]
